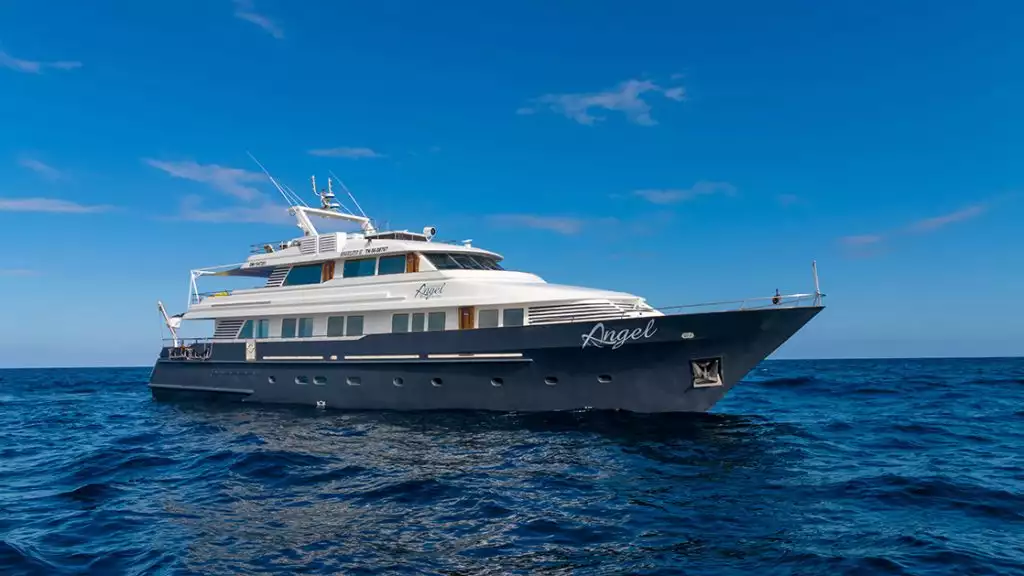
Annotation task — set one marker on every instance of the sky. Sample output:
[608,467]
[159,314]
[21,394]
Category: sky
[685,152]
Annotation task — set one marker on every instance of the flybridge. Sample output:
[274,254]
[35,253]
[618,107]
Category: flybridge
[333,209]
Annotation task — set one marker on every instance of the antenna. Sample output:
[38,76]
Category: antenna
[345,188]
[274,182]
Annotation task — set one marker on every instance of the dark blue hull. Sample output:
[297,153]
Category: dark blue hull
[679,363]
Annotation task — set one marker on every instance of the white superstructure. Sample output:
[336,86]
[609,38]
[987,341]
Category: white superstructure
[345,285]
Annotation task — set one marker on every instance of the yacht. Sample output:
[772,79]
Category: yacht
[399,320]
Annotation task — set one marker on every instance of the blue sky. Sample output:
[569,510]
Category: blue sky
[682,151]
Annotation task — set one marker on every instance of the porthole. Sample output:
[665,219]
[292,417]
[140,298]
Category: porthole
[604,378]
[354,380]
[497,382]
[551,380]
[320,380]
[272,379]
[398,381]
[302,379]
[436,382]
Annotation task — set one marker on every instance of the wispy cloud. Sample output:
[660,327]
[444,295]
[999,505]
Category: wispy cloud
[345,152]
[675,195]
[861,241]
[930,224]
[265,212]
[561,224]
[245,10]
[787,199]
[626,98]
[18,272]
[35,66]
[41,168]
[230,181]
[48,205]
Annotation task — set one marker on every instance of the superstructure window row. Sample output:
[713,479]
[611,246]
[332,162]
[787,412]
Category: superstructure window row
[460,261]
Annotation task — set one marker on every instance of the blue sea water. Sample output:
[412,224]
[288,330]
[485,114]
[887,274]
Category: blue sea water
[808,467]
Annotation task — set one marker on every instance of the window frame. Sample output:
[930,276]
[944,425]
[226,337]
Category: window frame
[395,319]
[435,314]
[293,324]
[348,325]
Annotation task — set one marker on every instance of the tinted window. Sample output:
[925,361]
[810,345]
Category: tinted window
[418,321]
[360,267]
[467,262]
[512,317]
[263,328]
[246,331]
[451,261]
[355,326]
[442,261]
[392,265]
[487,319]
[288,328]
[435,321]
[305,327]
[400,323]
[299,275]
[336,326]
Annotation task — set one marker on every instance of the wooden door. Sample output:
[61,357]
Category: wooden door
[412,262]
[327,271]
[467,317]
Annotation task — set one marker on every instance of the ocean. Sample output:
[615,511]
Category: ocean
[807,467]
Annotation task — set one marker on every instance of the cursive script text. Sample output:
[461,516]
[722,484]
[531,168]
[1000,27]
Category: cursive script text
[428,292]
[599,337]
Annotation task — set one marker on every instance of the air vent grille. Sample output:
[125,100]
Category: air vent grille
[308,245]
[586,311]
[277,277]
[328,242]
[227,329]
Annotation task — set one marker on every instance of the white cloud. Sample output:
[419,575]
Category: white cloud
[674,195]
[244,10]
[48,205]
[33,66]
[625,98]
[919,227]
[40,167]
[265,212]
[930,224]
[787,199]
[18,272]
[560,224]
[345,152]
[230,181]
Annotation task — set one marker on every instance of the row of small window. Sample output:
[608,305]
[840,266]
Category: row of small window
[418,322]
[509,317]
[303,327]
[398,264]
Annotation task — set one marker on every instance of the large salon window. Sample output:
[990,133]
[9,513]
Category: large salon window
[512,317]
[487,319]
[391,265]
[299,275]
[461,261]
[435,321]
[288,328]
[263,328]
[354,326]
[419,320]
[400,323]
[305,327]
[335,325]
[360,267]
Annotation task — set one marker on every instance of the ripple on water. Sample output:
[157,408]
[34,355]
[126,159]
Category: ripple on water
[825,467]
